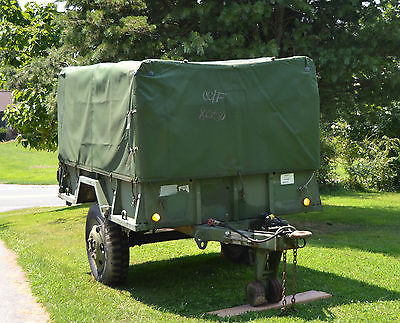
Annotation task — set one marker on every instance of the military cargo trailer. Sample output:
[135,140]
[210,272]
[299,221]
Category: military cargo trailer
[215,151]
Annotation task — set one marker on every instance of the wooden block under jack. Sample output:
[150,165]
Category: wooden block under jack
[311,295]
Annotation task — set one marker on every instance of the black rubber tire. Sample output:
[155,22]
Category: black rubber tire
[235,253]
[274,290]
[255,293]
[116,248]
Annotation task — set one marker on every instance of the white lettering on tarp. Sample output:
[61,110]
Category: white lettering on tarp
[213,96]
[210,114]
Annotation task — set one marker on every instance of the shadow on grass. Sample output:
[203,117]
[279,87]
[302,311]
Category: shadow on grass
[193,285]
[71,208]
[59,219]
[5,225]
[368,229]
[351,193]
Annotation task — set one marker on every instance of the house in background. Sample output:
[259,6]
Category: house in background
[5,100]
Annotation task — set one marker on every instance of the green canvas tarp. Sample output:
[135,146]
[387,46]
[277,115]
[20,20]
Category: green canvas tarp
[161,120]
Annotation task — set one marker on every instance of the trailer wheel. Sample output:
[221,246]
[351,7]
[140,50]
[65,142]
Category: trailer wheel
[235,253]
[255,293]
[107,248]
[274,290]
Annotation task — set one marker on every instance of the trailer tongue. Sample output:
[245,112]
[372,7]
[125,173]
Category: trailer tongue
[264,248]
[216,151]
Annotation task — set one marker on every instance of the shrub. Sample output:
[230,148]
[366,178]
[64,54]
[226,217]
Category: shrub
[3,133]
[326,174]
[368,162]
[377,165]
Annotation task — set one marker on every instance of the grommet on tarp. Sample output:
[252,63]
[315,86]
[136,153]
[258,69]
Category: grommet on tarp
[306,67]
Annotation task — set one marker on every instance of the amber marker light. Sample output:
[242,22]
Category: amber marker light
[306,201]
[156,217]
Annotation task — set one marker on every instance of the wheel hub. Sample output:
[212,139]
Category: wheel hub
[96,247]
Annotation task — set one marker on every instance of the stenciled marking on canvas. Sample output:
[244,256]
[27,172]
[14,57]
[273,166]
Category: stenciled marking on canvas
[213,97]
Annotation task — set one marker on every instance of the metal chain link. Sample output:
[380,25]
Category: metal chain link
[284,279]
[284,282]
[293,300]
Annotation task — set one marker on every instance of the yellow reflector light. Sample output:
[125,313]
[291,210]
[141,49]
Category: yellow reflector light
[156,217]
[306,201]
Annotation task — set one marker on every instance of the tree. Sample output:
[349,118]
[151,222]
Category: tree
[214,30]
[26,34]
[355,44]
[99,31]
[29,70]
[93,31]
[34,114]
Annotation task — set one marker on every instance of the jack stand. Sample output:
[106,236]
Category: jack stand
[267,286]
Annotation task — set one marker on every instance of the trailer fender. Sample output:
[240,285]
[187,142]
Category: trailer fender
[88,190]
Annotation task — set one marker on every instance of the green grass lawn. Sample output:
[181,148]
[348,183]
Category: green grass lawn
[354,255]
[19,165]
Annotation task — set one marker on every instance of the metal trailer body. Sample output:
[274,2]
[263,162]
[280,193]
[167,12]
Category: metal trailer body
[169,150]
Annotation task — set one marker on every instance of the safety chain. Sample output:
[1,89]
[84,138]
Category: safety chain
[293,300]
[284,282]
[284,279]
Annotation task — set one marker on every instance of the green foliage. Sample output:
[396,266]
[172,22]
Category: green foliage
[26,34]
[3,133]
[372,162]
[34,89]
[354,44]
[376,121]
[90,35]
[376,166]
[29,70]
[215,30]
[326,174]
[99,31]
